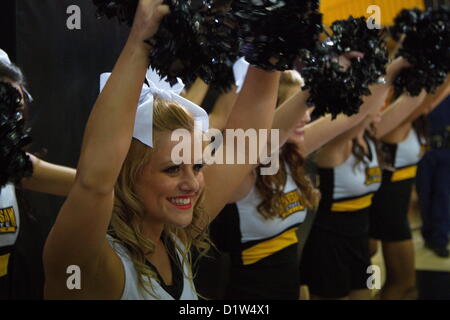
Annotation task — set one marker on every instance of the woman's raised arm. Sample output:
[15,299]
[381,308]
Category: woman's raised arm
[49,178]
[325,129]
[254,109]
[78,236]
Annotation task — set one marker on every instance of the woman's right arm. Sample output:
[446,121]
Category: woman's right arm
[49,178]
[197,92]
[324,130]
[222,109]
[78,236]
[399,133]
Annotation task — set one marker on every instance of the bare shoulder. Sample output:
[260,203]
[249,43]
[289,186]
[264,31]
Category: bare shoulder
[398,135]
[105,281]
[244,189]
[332,154]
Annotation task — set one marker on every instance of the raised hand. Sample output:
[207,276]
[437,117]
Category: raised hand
[345,60]
[394,68]
[148,17]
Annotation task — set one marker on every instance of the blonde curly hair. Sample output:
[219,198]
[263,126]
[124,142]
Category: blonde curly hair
[128,211]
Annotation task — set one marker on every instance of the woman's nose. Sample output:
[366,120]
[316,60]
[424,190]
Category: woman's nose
[307,117]
[190,182]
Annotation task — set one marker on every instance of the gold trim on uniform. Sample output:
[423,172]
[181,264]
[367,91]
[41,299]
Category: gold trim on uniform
[423,150]
[353,204]
[404,173]
[4,259]
[269,247]
[8,223]
[290,203]
[373,175]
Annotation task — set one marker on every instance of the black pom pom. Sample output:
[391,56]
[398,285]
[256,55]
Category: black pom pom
[194,40]
[354,35]
[219,49]
[193,43]
[404,22]
[123,10]
[427,47]
[332,90]
[14,162]
[273,32]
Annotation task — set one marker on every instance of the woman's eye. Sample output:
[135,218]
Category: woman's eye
[198,167]
[173,169]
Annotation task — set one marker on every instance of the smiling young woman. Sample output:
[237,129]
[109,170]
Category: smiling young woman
[133,213]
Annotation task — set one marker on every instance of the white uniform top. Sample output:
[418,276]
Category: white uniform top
[133,290]
[254,226]
[351,181]
[408,151]
[9,216]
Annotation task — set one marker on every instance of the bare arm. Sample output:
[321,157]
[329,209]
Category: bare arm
[394,115]
[197,92]
[325,129]
[222,109]
[254,109]
[400,133]
[49,178]
[431,101]
[290,113]
[79,234]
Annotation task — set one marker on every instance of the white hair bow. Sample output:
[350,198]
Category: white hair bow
[4,58]
[240,69]
[160,88]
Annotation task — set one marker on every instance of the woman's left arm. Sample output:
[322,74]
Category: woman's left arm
[397,112]
[49,178]
[197,92]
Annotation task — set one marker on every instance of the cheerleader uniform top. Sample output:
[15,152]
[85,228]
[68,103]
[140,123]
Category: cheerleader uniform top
[263,252]
[347,193]
[9,230]
[388,214]
[182,288]
[405,156]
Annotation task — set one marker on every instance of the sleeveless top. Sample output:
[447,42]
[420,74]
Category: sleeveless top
[9,230]
[264,252]
[9,225]
[393,197]
[347,193]
[132,289]
[404,157]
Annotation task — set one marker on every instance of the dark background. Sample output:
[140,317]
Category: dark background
[62,68]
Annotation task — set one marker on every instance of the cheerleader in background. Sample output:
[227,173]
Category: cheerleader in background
[261,226]
[47,177]
[336,256]
[403,146]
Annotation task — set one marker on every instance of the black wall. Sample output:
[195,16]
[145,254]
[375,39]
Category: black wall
[435,3]
[62,68]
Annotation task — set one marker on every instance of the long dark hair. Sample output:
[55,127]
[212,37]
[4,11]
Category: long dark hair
[13,73]
[360,155]
[422,127]
[271,187]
